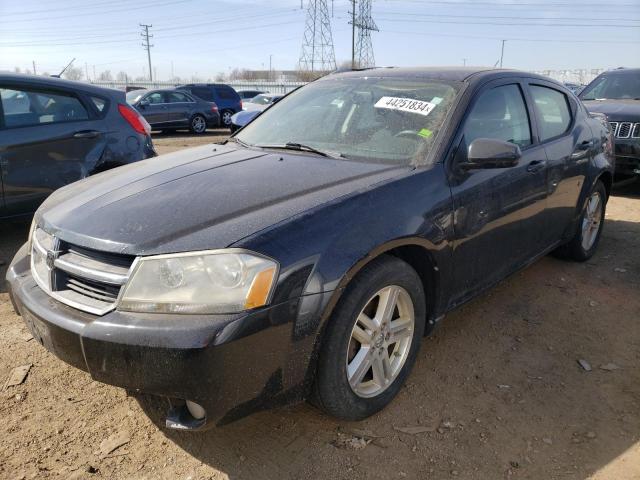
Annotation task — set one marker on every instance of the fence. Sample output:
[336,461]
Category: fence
[272,87]
[580,75]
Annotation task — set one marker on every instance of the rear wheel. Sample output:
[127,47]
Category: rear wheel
[198,124]
[226,117]
[585,241]
[372,340]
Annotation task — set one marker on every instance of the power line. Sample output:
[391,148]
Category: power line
[145,35]
[519,17]
[454,22]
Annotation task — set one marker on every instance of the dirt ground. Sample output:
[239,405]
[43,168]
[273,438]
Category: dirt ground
[497,392]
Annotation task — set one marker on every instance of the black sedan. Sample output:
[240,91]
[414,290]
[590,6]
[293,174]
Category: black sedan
[308,256]
[169,110]
[54,132]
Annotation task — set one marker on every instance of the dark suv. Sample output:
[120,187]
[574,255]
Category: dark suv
[224,96]
[616,93]
[54,132]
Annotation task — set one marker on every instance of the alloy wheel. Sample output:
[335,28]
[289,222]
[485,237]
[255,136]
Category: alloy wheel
[198,124]
[380,341]
[591,221]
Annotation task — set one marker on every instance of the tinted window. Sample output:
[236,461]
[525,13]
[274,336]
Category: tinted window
[499,113]
[225,93]
[29,107]
[618,85]
[176,97]
[552,110]
[155,97]
[204,93]
[99,103]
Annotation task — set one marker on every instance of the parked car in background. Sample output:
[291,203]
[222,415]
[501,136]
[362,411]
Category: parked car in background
[616,93]
[169,109]
[248,94]
[307,256]
[251,109]
[224,96]
[54,132]
[576,88]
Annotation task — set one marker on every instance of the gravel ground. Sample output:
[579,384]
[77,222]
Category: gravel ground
[497,392]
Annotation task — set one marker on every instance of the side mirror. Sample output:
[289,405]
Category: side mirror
[143,103]
[491,153]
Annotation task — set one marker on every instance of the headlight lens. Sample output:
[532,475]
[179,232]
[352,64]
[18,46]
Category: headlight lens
[225,281]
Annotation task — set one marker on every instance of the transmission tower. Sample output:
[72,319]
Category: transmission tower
[317,46]
[362,54]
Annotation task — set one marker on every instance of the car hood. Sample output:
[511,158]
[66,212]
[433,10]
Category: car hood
[202,198]
[240,119]
[616,110]
[252,107]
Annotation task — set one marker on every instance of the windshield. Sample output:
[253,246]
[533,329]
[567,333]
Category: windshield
[261,100]
[386,120]
[133,97]
[613,86]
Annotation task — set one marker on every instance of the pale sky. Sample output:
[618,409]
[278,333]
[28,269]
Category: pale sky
[205,37]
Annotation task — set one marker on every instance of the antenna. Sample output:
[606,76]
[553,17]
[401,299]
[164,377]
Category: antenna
[65,68]
[317,45]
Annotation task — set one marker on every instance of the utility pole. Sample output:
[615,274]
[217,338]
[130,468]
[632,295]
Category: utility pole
[502,53]
[464,62]
[353,34]
[94,73]
[270,57]
[86,71]
[34,66]
[172,74]
[146,36]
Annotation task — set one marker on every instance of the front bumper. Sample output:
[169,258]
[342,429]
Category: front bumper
[627,156]
[232,365]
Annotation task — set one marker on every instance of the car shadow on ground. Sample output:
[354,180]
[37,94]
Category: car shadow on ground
[12,235]
[498,389]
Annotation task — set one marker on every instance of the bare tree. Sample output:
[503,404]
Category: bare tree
[73,73]
[105,76]
[122,77]
[220,77]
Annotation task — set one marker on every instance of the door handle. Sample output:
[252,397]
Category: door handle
[536,166]
[86,134]
[582,150]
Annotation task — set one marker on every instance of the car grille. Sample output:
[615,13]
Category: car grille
[625,129]
[76,276]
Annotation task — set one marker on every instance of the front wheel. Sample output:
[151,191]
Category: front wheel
[198,124]
[372,340]
[585,241]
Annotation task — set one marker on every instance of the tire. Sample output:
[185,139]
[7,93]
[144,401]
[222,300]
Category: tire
[587,237]
[198,124]
[340,350]
[225,117]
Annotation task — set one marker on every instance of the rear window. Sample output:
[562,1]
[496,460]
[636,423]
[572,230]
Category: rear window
[204,93]
[226,93]
[25,107]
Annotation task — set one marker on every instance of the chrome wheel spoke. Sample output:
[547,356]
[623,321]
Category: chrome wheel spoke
[359,366]
[362,335]
[367,322]
[381,369]
[591,221]
[387,305]
[400,329]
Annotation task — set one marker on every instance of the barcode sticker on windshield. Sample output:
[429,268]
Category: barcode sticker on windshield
[406,105]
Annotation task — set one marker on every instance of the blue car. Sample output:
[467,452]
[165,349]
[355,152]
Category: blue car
[224,96]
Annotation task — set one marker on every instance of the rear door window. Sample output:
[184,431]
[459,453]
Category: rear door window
[552,110]
[177,97]
[26,107]
[499,113]
[155,97]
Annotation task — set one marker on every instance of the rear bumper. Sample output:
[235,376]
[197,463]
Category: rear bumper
[232,365]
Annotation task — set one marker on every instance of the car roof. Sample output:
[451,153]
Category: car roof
[453,74]
[42,81]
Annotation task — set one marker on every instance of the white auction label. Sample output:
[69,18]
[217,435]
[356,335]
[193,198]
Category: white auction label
[406,105]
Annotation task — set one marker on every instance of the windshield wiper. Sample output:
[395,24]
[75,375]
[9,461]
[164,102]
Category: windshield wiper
[302,148]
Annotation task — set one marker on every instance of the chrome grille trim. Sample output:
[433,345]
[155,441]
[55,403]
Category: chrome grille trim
[614,128]
[624,130]
[76,278]
[636,131]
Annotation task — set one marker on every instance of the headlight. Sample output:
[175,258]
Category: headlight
[217,281]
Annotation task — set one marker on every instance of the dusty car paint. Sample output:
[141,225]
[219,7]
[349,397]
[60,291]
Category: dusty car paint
[323,220]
